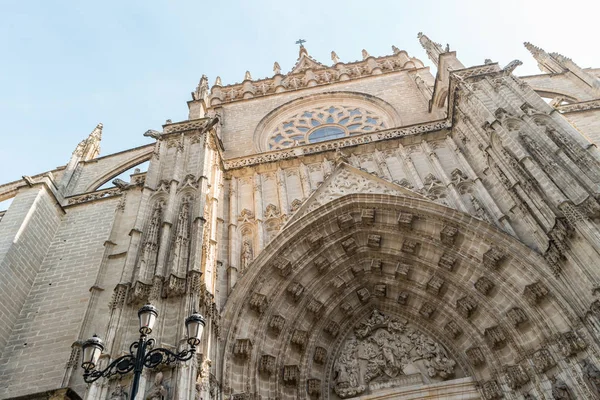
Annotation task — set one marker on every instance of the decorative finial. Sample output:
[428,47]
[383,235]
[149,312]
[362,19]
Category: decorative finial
[432,48]
[334,57]
[168,121]
[395,49]
[534,50]
[447,49]
[201,89]
[247,76]
[365,54]
[276,68]
[301,42]
[218,81]
[488,61]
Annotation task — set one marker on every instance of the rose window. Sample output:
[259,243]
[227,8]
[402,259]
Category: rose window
[324,123]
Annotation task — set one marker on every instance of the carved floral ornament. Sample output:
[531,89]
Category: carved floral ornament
[384,351]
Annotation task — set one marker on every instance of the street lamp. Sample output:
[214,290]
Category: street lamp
[141,353]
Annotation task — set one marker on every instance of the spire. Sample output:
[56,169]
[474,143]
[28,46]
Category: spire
[202,89]
[303,51]
[247,76]
[534,50]
[432,48]
[89,148]
[546,62]
[218,81]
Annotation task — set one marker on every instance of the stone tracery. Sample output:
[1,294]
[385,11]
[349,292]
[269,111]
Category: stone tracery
[324,123]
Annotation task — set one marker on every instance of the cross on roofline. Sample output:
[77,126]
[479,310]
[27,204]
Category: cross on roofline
[300,41]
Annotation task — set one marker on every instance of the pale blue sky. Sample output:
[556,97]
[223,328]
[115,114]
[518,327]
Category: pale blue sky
[132,64]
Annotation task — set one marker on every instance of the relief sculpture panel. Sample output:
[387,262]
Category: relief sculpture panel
[383,352]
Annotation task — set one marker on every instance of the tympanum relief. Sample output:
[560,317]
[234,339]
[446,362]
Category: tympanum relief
[385,351]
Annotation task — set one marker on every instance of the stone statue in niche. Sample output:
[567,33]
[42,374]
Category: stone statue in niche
[591,374]
[158,391]
[560,390]
[384,348]
[247,254]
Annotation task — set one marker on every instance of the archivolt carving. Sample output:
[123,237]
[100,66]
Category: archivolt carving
[382,349]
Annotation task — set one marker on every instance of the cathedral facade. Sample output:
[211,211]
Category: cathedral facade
[348,230]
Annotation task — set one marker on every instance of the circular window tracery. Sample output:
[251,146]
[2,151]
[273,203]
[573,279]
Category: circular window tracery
[324,123]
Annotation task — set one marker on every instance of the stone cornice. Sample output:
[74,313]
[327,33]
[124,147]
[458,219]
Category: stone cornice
[313,76]
[299,151]
[582,106]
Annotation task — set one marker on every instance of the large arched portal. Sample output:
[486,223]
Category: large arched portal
[396,297]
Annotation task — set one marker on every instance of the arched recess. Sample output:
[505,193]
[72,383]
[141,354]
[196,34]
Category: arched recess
[456,279]
[119,169]
[382,109]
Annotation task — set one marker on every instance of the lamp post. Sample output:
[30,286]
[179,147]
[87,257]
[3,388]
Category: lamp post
[141,353]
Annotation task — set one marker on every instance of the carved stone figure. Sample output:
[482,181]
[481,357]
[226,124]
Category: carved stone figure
[334,57]
[591,375]
[560,390]
[247,254]
[384,348]
[119,393]
[158,391]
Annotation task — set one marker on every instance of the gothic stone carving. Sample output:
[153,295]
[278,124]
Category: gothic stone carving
[345,221]
[291,375]
[363,294]
[258,302]
[560,390]
[367,215]
[435,284]
[284,266]
[448,235]
[315,307]
[475,356]
[410,246]
[535,292]
[516,316]
[492,258]
[322,264]
[484,285]
[374,241]
[349,246]
[267,364]
[295,290]
[466,306]
[384,347]
[591,376]
[380,290]
[403,298]
[242,348]
[332,328]
[495,337]
[447,261]
[426,310]
[491,390]
[402,270]
[405,220]
[452,329]
[313,387]
[570,343]
[516,376]
[276,324]
[315,240]
[543,360]
[299,338]
[320,355]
